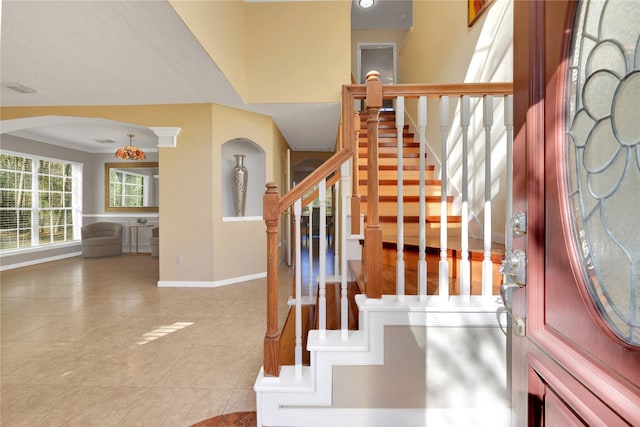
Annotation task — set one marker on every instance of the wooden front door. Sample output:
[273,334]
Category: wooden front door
[577,178]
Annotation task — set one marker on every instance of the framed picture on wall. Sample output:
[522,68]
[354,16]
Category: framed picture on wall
[476,8]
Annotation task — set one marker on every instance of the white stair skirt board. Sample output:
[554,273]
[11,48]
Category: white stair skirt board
[453,350]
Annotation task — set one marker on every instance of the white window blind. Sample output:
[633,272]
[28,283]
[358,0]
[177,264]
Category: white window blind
[40,201]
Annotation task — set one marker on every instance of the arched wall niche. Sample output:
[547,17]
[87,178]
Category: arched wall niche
[255,161]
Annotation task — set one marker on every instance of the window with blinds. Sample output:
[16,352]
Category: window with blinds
[40,201]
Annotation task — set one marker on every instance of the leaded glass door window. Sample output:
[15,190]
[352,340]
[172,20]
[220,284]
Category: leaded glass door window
[602,155]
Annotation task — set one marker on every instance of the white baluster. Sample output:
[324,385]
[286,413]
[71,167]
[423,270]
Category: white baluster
[465,266]
[508,124]
[311,290]
[487,265]
[322,258]
[344,303]
[400,200]
[297,210]
[422,257]
[337,224]
[443,266]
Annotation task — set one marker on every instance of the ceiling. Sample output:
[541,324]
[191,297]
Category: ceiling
[133,53]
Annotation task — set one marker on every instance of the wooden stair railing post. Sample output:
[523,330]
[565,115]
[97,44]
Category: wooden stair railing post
[271,216]
[373,231]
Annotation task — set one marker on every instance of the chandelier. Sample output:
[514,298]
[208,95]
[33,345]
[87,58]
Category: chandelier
[130,152]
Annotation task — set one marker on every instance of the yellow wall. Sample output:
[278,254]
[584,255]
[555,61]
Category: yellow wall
[219,26]
[241,246]
[275,52]
[190,214]
[297,51]
[439,46]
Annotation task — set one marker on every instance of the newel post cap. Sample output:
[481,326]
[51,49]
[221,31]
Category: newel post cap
[373,90]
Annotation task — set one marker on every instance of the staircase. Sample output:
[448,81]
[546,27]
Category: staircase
[388,173]
[433,356]
[388,208]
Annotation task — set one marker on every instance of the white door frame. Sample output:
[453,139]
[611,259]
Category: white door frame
[378,45]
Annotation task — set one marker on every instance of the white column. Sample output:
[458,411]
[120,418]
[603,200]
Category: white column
[465,266]
[443,265]
[487,265]
[297,210]
[322,259]
[508,124]
[400,200]
[344,303]
[422,257]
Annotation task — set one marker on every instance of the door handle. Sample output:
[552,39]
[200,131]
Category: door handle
[514,266]
[518,323]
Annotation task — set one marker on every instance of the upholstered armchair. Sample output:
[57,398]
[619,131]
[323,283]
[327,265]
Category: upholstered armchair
[154,242]
[101,239]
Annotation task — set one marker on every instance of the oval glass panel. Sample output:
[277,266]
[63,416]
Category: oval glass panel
[602,148]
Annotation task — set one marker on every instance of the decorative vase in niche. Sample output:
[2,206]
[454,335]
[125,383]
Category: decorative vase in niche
[239,176]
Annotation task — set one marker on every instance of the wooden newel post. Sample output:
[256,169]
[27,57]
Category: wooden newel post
[373,231]
[271,216]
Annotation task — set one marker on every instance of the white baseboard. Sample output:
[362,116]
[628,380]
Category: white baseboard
[209,284]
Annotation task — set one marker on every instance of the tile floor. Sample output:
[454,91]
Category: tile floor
[94,342]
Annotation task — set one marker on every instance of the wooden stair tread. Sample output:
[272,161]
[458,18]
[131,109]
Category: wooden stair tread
[411,281]
[363,143]
[405,155]
[476,246]
[404,181]
[410,199]
[428,168]
[429,219]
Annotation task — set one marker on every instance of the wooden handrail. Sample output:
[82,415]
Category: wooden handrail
[311,197]
[435,90]
[314,178]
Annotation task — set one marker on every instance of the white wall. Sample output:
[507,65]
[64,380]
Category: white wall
[434,367]
[440,48]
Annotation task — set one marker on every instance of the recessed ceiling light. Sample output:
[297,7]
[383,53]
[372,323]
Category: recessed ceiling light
[365,4]
[20,88]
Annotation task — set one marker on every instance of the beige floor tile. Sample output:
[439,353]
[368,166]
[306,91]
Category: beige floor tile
[92,406]
[207,366]
[32,290]
[241,401]
[13,326]
[26,405]
[173,407]
[40,306]
[15,354]
[96,342]
[59,364]
[138,365]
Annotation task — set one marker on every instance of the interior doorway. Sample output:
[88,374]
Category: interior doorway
[382,58]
